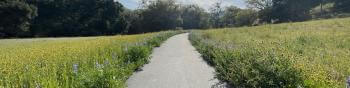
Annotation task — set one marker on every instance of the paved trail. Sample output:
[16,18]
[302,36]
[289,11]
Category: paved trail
[175,64]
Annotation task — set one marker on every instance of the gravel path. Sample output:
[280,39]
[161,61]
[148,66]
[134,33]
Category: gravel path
[175,64]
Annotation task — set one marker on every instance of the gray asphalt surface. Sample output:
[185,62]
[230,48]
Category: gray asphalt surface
[175,64]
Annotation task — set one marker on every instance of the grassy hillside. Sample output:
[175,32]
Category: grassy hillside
[75,62]
[312,54]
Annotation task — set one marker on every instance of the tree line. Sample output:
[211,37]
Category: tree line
[298,10]
[31,18]
[55,18]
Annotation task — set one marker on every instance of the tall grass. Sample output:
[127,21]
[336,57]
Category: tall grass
[312,54]
[103,62]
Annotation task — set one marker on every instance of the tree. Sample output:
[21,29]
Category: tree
[77,17]
[134,21]
[246,17]
[260,4]
[15,16]
[161,15]
[324,10]
[194,17]
[216,15]
[230,14]
[342,6]
[283,10]
[235,17]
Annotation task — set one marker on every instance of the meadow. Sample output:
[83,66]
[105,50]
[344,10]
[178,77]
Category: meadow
[312,54]
[104,62]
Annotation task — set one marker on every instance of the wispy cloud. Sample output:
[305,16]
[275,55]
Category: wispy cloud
[133,4]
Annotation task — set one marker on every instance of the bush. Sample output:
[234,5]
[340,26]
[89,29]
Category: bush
[250,68]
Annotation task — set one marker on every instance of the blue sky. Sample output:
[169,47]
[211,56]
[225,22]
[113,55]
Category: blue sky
[133,4]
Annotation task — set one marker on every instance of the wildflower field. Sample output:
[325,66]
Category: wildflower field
[75,62]
[313,54]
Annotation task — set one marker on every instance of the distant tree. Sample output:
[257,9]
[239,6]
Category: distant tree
[194,17]
[324,10]
[246,17]
[15,16]
[134,21]
[283,10]
[342,6]
[205,20]
[216,15]
[77,17]
[235,17]
[260,4]
[161,15]
[144,3]
[230,14]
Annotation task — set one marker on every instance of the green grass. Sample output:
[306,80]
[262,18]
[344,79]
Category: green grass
[313,54]
[89,62]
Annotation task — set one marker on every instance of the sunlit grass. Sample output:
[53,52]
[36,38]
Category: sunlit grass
[319,50]
[105,61]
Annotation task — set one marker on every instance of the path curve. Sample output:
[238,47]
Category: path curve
[175,64]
